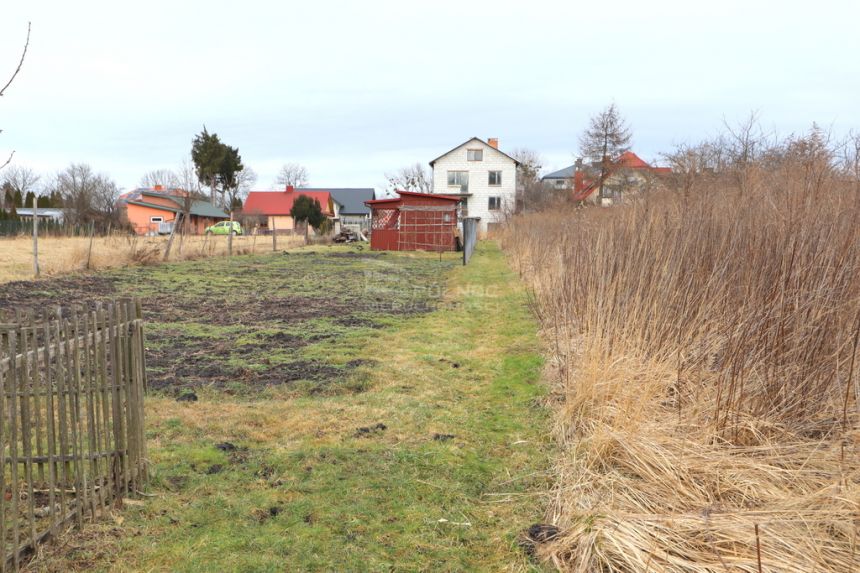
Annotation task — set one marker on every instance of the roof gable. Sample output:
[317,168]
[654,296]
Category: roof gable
[479,140]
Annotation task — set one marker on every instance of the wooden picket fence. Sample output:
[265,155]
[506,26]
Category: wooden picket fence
[72,433]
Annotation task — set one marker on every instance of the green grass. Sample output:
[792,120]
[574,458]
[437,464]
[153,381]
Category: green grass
[305,491]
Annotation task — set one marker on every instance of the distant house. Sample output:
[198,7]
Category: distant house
[271,209]
[152,211]
[629,174]
[561,179]
[484,177]
[352,211]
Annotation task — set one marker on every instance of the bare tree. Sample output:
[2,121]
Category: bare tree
[12,79]
[20,179]
[292,174]
[605,139]
[88,196]
[693,164]
[529,186]
[160,177]
[413,178]
[245,179]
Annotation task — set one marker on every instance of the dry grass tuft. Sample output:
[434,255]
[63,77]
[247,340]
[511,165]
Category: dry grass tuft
[708,385]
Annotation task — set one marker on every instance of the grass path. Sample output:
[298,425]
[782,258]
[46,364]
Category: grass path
[457,473]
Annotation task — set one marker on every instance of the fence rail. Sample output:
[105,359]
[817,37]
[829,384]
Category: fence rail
[72,432]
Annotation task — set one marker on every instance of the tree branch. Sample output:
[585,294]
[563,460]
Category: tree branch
[8,161]
[20,62]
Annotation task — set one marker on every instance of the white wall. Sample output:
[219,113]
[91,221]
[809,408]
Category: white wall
[479,187]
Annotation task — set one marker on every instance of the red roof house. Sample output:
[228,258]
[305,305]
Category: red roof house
[628,165]
[273,207]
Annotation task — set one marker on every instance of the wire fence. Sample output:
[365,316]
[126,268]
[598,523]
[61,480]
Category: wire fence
[53,228]
[72,431]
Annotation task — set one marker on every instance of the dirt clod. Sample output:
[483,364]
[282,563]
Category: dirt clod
[443,437]
[226,447]
[214,469]
[365,431]
[542,532]
[187,397]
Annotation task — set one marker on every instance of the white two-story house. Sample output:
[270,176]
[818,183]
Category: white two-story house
[485,177]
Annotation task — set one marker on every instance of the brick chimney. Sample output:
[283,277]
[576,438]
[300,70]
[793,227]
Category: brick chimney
[493,142]
[290,189]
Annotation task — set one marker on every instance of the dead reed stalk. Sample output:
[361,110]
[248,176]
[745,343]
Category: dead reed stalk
[706,348]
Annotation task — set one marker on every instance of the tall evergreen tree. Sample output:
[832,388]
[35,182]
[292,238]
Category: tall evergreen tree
[606,138]
[217,164]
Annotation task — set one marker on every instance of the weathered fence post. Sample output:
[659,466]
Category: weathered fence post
[90,250]
[35,240]
[274,236]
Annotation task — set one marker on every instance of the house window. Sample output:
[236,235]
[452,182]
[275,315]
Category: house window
[475,154]
[459,179]
[495,177]
[559,183]
[495,203]
[156,219]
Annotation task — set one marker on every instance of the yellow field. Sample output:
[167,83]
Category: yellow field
[60,255]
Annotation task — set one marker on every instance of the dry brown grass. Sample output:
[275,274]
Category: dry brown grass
[708,385]
[61,255]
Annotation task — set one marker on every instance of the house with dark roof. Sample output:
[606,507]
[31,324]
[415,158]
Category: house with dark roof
[150,211]
[271,209]
[352,212]
[630,173]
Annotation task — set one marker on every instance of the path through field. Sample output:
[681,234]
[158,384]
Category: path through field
[326,410]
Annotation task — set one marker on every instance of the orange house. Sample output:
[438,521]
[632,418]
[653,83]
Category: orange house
[153,211]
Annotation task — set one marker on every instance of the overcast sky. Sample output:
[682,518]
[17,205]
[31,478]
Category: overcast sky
[355,89]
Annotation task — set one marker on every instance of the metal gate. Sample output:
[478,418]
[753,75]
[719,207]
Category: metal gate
[470,237]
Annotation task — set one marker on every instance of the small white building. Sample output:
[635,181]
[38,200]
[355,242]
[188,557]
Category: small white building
[485,177]
[44,214]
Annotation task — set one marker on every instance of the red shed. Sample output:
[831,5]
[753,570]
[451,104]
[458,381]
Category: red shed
[414,222]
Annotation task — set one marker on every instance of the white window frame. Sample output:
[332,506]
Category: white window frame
[498,182]
[156,219]
[474,154]
[498,202]
[456,184]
